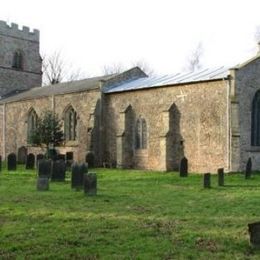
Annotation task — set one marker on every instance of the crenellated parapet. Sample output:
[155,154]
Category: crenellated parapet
[13,30]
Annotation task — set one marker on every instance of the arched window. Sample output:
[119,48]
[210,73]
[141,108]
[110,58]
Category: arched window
[31,125]
[140,134]
[70,124]
[18,60]
[255,120]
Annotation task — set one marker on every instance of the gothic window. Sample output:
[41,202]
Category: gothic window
[70,124]
[141,134]
[31,125]
[18,60]
[255,120]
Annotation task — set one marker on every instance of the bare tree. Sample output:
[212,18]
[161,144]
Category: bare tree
[56,70]
[194,60]
[144,67]
[113,69]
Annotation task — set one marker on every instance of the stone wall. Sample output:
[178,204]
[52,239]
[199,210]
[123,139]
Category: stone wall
[247,82]
[87,106]
[11,40]
[188,120]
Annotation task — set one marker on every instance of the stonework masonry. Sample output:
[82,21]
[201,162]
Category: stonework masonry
[12,39]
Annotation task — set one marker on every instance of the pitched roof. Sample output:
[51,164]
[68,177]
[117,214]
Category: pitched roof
[61,88]
[175,79]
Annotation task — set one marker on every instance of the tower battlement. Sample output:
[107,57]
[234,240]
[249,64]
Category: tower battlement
[13,30]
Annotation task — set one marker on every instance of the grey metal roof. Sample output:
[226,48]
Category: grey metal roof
[61,88]
[179,78]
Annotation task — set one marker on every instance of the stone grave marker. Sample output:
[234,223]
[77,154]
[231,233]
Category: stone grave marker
[220,177]
[22,154]
[83,168]
[248,168]
[44,168]
[184,167]
[206,180]
[30,161]
[58,170]
[39,157]
[61,157]
[254,232]
[11,162]
[90,159]
[42,183]
[76,177]
[90,184]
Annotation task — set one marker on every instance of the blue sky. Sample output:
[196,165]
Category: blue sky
[91,34]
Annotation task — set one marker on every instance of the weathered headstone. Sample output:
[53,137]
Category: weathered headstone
[42,183]
[39,157]
[58,170]
[220,177]
[248,168]
[69,159]
[184,167]
[206,180]
[30,161]
[11,162]
[44,168]
[254,231]
[90,184]
[0,163]
[22,154]
[76,177]
[90,159]
[83,168]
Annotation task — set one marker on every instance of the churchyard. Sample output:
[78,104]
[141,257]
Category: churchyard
[134,215]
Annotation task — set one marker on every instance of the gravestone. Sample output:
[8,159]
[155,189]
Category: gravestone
[44,168]
[61,157]
[42,183]
[76,176]
[69,159]
[90,184]
[206,180]
[248,168]
[184,167]
[83,168]
[254,232]
[11,162]
[22,155]
[30,161]
[90,159]
[39,157]
[220,177]
[58,170]
[0,163]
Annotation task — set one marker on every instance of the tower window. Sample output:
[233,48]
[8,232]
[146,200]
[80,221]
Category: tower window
[17,60]
[70,124]
[140,134]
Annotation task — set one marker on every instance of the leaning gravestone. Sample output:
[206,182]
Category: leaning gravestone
[11,162]
[90,184]
[206,180]
[58,170]
[44,168]
[184,167]
[254,231]
[30,161]
[220,177]
[76,176]
[248,168]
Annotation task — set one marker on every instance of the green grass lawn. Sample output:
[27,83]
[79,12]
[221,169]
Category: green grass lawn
[136,215]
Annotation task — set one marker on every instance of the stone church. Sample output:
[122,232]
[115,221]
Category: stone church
[131,120]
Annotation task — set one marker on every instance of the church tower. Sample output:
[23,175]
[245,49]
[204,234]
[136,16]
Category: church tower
[20,61]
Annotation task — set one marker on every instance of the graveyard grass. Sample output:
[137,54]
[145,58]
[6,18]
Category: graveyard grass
[136,215]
